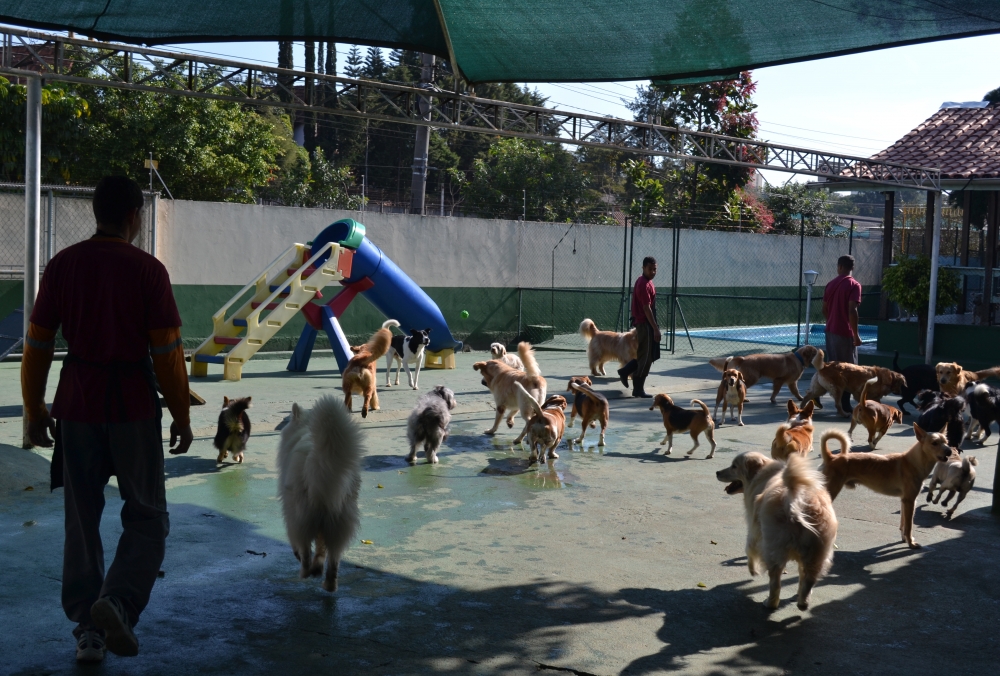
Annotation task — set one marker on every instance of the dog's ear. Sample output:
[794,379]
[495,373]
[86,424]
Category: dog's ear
[918,430]
[296,412]
[225,402]
[807,410]
[478,366]
[793,410]
[753,463]
[249,399]
[739,376]
[427,330]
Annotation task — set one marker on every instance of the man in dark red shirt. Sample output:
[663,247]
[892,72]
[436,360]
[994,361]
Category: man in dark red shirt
[117,312]
[841,299]
[646,329]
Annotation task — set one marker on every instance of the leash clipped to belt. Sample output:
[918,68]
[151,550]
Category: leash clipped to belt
[115,370]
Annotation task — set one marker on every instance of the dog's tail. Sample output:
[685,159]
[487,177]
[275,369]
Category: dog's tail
[988,373]
[590,394]
[845,444]
[720,364]
[527,355]
[524,395]
[333,466]
[378,345]
[818,360]
[864,390]
[588,329]
[390,323]
[798,477]
[704,408]
[895,361]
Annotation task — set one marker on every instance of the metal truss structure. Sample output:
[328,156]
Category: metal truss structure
[103,64]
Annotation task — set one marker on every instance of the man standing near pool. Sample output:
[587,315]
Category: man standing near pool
[841,299]
[646,329]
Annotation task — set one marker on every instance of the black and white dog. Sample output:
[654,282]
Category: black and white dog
[407,350]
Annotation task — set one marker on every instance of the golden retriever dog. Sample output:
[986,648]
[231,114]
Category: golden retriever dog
[958,475]
[789,516]
[875,417]
[677,419]
[605,346]
[499,352]
[546,424]
[592,406]
[784,368]
[953,379]
[732,392]
[501,381]
[359,374]
[897,474]
[837,377]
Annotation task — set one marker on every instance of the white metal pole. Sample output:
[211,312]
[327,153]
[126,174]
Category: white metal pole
[50,228]
[932,301]
[808,305]
[32,194]
[154,207]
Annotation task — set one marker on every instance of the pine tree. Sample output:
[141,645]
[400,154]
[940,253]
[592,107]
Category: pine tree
[375,65]
[395,57]
[355,64]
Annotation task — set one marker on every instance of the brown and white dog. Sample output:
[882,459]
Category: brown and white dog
[499,352]
[789,516]
[874,416]
[502,382]
[359,374]
[783,368]
[234,428]
[575,408]
[545,425]
[732,393]
[677,419]
[837,377]
[957,475]
[953,379]
[605,346]
[895,474]
[591,406]
[796,435]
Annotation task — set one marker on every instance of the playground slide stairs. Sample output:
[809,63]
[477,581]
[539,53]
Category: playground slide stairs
[280,291]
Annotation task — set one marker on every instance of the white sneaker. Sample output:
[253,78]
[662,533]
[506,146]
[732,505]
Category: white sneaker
[90,647]
[108,614]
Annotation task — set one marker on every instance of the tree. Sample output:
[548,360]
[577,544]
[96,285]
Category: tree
[355,64]
[791,202]
[908,284]
[375,65]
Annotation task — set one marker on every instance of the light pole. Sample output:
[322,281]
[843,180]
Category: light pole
[810,277]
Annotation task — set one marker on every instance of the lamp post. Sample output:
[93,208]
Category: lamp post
[810,277]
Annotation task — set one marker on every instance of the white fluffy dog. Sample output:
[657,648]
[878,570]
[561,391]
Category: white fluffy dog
[789,517]
[319,462]
[499,352]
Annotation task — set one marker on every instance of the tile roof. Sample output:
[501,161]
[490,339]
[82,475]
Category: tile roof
[962,142]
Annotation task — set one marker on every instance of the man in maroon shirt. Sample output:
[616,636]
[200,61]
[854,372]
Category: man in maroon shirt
[116,310]
[646,329]
[841,299]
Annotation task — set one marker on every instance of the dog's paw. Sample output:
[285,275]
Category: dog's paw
[330,585]
[510,424]
[741,424]
[803,605]
[772,605]
[489,433]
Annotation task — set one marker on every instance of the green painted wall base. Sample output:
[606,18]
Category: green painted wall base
[974,347]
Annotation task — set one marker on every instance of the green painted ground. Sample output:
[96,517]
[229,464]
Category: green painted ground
[483,565]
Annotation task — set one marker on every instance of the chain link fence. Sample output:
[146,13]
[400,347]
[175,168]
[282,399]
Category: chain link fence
[66,218]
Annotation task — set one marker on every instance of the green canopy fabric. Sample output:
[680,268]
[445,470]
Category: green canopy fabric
[541,40]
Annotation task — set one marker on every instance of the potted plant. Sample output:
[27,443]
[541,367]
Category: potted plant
[908,284]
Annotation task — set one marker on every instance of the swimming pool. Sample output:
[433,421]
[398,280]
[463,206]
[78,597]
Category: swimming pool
[777,334]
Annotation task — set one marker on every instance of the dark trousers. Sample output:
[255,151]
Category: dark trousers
[648,352]
[842,348]
[133,452]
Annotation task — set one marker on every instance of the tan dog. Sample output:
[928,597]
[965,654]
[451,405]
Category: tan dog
[789,518]
[837,377]
[546,424]
[359,374]
[895,474]
[677,419]
[958,475]
[794,437]
[732,393]
[499,352]
[874,416]
[784,368]
[605,346]
[501,381]
[593,408]
[953,379]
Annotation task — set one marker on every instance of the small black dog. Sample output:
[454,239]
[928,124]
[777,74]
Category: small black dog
[918,377]
[428,423]
[234,428]
[984,407]
[939,410]
[407,350]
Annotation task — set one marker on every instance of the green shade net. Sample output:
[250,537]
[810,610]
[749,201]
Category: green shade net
[541,40]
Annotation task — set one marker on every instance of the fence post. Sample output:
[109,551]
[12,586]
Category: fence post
[675,245]
[802,245]
[152,224]
[32,202]
[935,202]
[50,227]
[520,291]
[621,324]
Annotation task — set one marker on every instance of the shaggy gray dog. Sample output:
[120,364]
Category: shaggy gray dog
[428,423]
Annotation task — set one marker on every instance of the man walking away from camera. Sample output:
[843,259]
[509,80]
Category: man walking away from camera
[841,300]
[116,310]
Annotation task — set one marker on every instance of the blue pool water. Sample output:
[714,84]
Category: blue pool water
[778,334]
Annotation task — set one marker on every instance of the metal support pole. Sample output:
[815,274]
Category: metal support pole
[802,246]
[154,207]
[674,303]
[850,244]
[50,226]
[933,199]
[809,297]
[887,240]
[421,146]
[32,204]
[622,317]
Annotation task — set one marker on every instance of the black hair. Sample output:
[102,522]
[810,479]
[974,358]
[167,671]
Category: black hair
[846,262]
[648,260]
[114,197]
